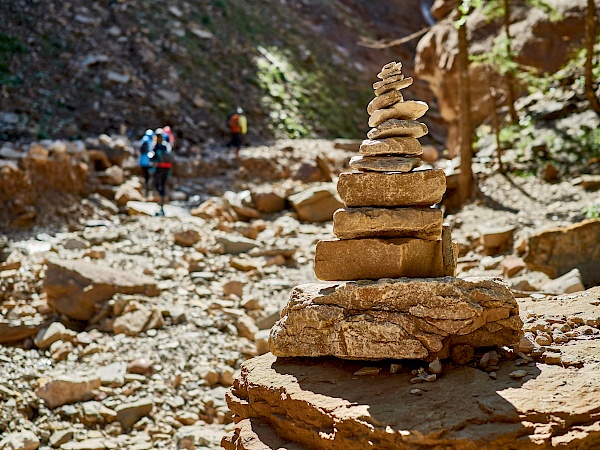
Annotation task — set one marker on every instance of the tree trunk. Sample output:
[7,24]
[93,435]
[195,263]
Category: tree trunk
[509,77]
[466,127]
[590,40]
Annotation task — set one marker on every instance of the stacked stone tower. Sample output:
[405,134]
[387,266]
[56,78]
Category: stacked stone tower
[388,228]
[393,260]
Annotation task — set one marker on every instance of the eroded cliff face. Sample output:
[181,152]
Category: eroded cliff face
[539,43]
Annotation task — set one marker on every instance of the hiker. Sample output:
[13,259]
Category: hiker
[144,160]
[162,164]
[169,137]
[238,125]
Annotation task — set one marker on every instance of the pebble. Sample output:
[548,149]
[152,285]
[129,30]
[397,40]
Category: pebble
[367,371]
[518,374]
[416,392]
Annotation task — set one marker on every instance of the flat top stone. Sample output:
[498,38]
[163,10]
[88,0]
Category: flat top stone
[389,69]
[385,163]
[391,146]
[384,100]
[398,128]
[419,188]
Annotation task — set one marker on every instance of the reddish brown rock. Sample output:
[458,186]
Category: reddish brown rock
[420,223]
[77,287]
[420,188]
[560,250]
[357,259]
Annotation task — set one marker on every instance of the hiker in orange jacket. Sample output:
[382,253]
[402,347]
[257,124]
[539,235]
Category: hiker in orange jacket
[238,126]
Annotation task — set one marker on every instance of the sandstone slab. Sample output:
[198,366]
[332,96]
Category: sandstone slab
[385,163]
[407,146]
[420,188]
[396,318]
[408,110]
[400,84]
[420,223]
[316,204]
[18,329]
[384,100]
[358,259]
[67,389]
[129,413]
[320,405]
[560,250]
[76,287]
[391,78]
[398,128]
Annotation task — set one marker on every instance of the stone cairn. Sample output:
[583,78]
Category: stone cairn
[394,259]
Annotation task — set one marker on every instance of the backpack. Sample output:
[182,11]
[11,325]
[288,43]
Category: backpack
[163,153]
[234,123]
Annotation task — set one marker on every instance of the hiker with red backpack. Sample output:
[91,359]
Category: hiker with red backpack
[238,126]
[162,158]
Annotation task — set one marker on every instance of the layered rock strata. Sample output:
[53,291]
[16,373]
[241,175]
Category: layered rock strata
[396,318]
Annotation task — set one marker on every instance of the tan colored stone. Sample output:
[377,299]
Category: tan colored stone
[560,250]
[395,318]
[385,163]
[67,389]
[450,252]
[407,146]
[389,69]
[420,223]
[398,128]
[401,84]
[316,204]
[420,188]
[388,80]
[384,100]
[408,110]
[358,259]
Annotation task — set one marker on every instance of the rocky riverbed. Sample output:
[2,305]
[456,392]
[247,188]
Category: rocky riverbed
[149,367]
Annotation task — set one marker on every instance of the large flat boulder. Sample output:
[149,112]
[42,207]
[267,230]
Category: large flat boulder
[77,287]
[560,250]
[420,188]
[358,259]
[396,318]
[421,223]
[316,204]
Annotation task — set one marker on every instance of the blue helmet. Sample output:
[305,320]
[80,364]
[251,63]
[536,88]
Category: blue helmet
[149,132]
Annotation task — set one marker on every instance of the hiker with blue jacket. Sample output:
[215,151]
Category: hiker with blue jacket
[161,158]
[144,161]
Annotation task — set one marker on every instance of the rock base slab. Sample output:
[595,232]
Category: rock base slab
[396,318]
[359,259]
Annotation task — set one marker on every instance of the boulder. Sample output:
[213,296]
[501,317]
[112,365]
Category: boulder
[421,188]
[567,284]
[18,329]
[397,319]
[129,413]
[268,201]
[420,223]
[127,193]
[316,204]
[77,288]
[560,250]
[356,259]
[186,238]
[67,389]
[496,239]
[22,440]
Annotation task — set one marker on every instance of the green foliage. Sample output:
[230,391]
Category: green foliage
[592,211]
[9,47]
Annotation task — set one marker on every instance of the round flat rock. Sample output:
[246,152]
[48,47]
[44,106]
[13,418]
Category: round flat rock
[391,146]
[385,163]
[398,128]
[395,85]
[384,100]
